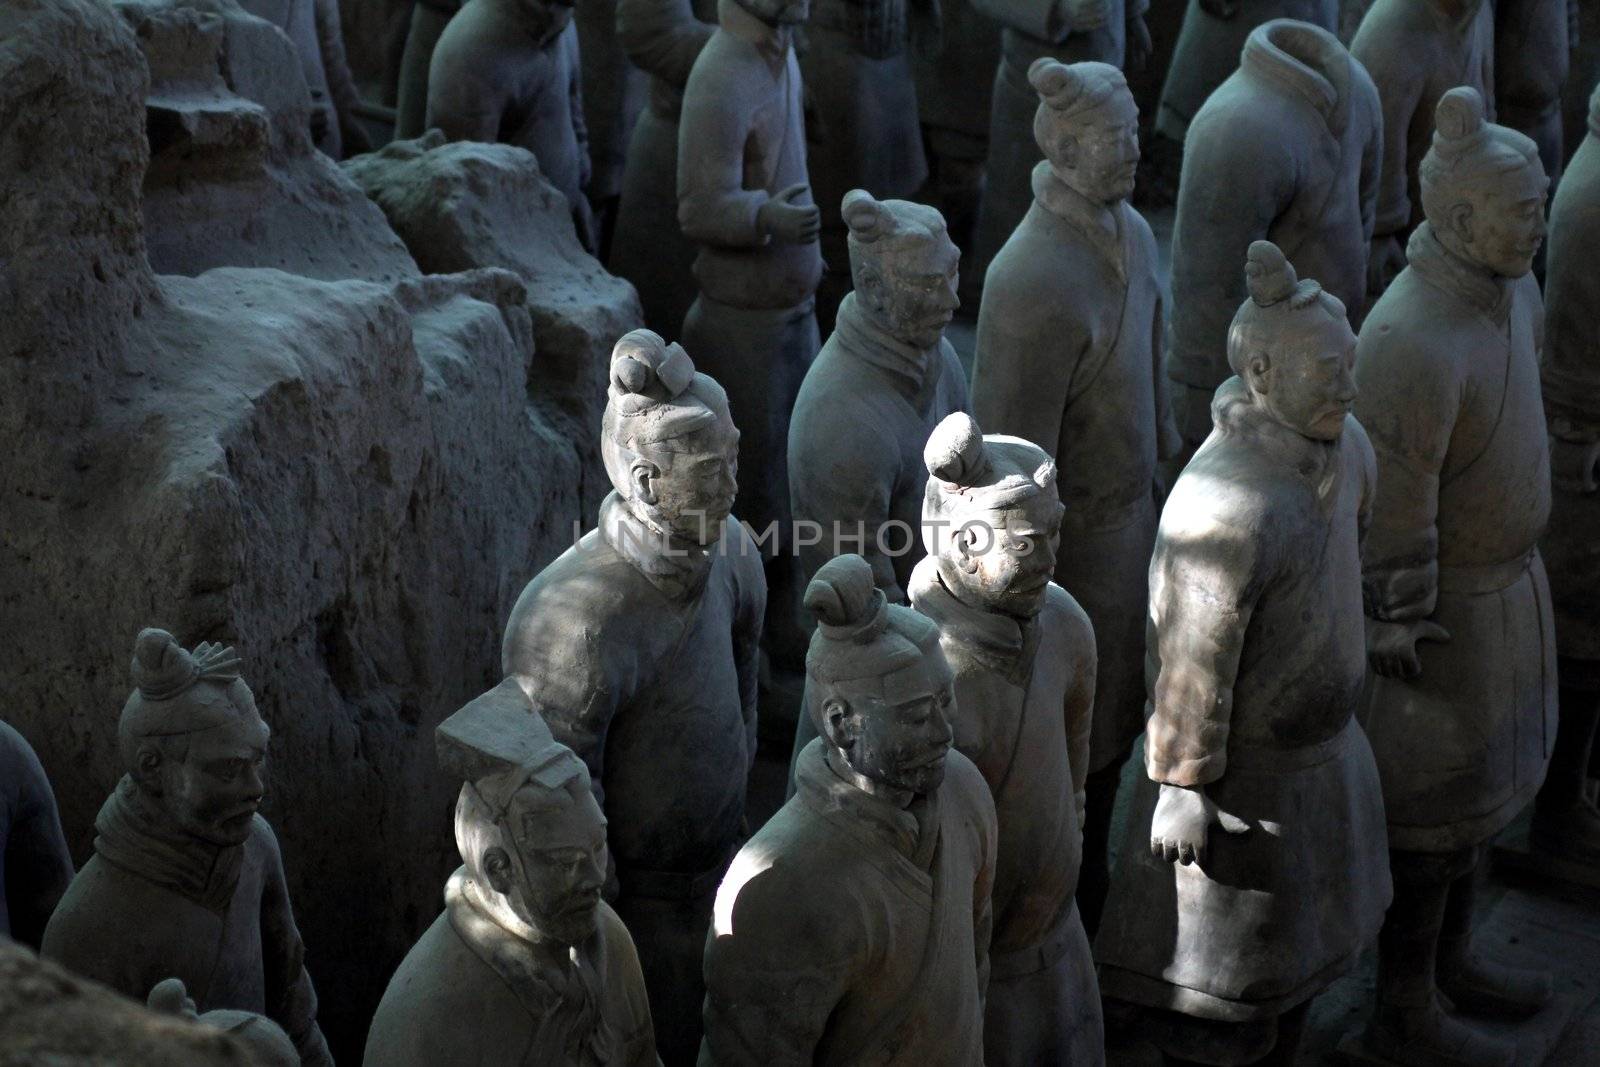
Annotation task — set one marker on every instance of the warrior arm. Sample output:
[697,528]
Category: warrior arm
[37,867]
[843,482]
[335,66]
[462,105]
[291,998]
[747,619]
[714,207]
[1397,72]
[662,37]
[1025,357]
[1078,705]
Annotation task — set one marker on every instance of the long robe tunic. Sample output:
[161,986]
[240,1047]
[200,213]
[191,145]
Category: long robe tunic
[154,903]
[1069,357]
[864,414]
[1416,51]
[850,930]
[1449,376]
[1024,696]
[1030,29]
[1288,150]
[741,139]
[489,81]
[1571,376]
[1258,656]
[1208,51]
[663,38]
[645,666]
[472,992]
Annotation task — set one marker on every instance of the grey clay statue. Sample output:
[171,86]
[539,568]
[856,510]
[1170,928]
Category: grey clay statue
[1023,654]
[1254,872]
[186,880]
[527,966]
[854,926]
[1462,707]
[1069,357]
[638,645]
[1287,150]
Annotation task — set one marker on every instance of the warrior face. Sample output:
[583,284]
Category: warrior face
[553,872]
[211,782]
[688,486]
[909,286]
[1005,560]
[902,738]
[1308,383]
[1499,223]
[1098,155]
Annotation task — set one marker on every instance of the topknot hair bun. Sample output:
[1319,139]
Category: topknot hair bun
[1459,115]
[1056,83]
[866,216]
[163,670]
[847,604]
[1268,274]
[954,453]
[643,364]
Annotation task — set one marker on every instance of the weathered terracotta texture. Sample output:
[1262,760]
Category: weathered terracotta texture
[638,646]
[884,380]
[508,71]
[425,23]
[663,38]
[1287,150]
[266,1041]
[744,197]
[35,867]
[1254,872]
[1023,653]
[187,879]
[526,965]
[313,28]
[614,93]
[1208,47]
[1532,56]
[1071,31]
[854,926]
[1415,50]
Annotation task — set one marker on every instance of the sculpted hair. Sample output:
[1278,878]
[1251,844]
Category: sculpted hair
[877,227]
[1467,148]
[655,398]
[178,693]
[972,474]
[860,635]
[1070,93]
[1277,297]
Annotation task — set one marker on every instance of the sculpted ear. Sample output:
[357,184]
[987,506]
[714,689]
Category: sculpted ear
[839,726]
[1257,370]
[147,767]
[1461,220]
[497,868]
[642,474]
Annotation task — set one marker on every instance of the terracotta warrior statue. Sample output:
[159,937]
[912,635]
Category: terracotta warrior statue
[1287,150]
[1565,821]
[269,1046]
[1415,50]
[1069,356]
[864,131]
[744,197]
[663,38]
[638,645]
[1208,48]
[506,71]
[854,926]
[1254,871]
[1532,55]
[35,867]
[1023,654]
[1072,31]
[186,880]
[884,380]
[1462,710]
[526,965]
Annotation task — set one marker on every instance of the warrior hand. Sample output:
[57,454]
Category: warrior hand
[1139,45]
[1182,823]
[1085,15]
[788,222]
[1392,646]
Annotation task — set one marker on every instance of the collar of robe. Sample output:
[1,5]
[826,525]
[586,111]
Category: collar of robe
[1475,286]
[914,371]
[826,787]
[771,41]
[133,833]
[677,567]
[1318,71]
[1236,414]
[999,642]
[1083,215]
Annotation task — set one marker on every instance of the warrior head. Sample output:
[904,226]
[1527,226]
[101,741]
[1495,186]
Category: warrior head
[880,690]
[1483,188]
[904,265]
[191,739]
[1292,345]
[991,516]
[668,440]
[1087,125]
[530,833]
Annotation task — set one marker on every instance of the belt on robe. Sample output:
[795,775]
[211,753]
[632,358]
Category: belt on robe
[671,885]
[1041,957]
[1477,579]
[1267,758]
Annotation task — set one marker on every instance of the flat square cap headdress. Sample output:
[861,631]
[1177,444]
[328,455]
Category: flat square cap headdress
[498,744]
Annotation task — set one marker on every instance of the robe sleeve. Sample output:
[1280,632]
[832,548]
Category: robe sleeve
[1249,182]
[747,619]
[37,866]
[1398,73]
[1408,402]
[714,207]
[461,104]
[1371,150]
[335,66]
[662,37]
[1078,707]
[1205,578]
[1047,20]
[291,999]
[850,499]
[1027,349]
[983,891]
[568,50]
